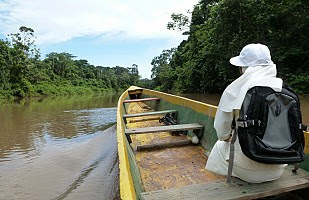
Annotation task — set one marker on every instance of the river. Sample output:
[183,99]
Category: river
[65,147]
[59,148]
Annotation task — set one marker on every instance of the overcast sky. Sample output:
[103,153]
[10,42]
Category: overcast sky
[105,32]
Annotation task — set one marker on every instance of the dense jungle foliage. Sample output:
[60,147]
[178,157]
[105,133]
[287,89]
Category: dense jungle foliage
[218,30]
[23,73]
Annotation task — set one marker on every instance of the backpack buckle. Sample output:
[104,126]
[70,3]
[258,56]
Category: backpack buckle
[245,123]
[304,127]
[242,124]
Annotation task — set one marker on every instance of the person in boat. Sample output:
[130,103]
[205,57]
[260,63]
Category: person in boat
[257,69]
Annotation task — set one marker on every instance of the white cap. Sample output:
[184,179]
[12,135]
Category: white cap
[252,55]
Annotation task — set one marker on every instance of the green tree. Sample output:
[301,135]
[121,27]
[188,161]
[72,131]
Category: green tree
[179,22]
[218,31]
[25,41]
[162,72]
[4,66]
[22,73]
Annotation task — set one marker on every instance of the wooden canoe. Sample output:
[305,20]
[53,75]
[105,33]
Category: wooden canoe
[155,164]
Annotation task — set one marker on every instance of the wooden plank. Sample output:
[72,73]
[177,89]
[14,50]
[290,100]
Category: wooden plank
[237,190]
[143,119]
[154,129]
[149,113]
[141,100]
[137,91]
[163,145]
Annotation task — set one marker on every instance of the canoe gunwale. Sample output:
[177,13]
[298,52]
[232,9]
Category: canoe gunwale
[127,190]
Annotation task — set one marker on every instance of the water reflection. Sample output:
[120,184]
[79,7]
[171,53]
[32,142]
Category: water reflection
[52,148]
[24,125]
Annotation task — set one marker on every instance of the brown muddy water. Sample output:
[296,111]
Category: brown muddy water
[59,148]
[65,147]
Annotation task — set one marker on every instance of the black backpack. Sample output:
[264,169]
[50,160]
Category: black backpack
[269,127]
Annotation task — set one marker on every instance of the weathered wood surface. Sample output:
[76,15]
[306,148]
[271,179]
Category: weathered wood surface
[144,119]
[163,145]
[141,100]
[149,113]
[236,190]
[154,129]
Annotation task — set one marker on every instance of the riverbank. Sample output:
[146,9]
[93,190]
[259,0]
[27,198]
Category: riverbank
[63,88]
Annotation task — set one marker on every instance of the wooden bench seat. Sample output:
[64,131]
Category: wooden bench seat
[149,113]
[238,189]
[141,100]
[154,129]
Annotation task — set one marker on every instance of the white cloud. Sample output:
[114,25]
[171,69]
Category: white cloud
[61,20]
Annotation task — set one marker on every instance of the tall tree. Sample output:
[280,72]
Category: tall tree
[218,31]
